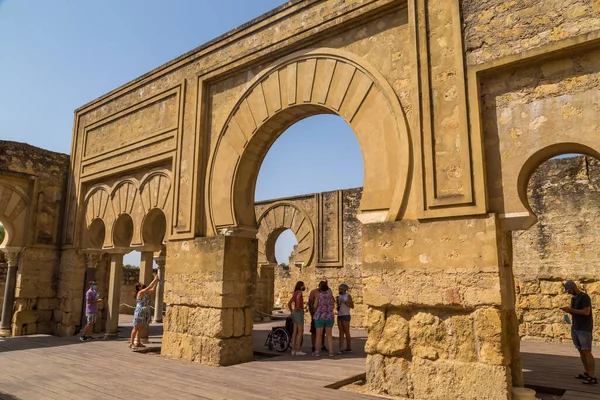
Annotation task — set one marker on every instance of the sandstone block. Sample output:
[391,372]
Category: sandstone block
[395,336]
[376,373]
[444,379]
[25,317]
[249,323]
[239,321]
[551,287]
[427,336]
[375,323]
[488,331]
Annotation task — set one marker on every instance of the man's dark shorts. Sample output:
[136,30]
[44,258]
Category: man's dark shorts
[582,339]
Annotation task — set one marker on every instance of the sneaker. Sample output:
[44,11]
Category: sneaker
[293,352]
[82,338]
[300,353]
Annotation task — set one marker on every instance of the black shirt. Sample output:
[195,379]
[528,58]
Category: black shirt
[582,322]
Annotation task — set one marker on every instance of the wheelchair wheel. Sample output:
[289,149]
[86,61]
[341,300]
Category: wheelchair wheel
[281,340]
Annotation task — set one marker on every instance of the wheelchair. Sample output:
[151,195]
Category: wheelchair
[280,337]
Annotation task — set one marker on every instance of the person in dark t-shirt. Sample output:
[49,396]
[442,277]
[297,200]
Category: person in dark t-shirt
[581,330]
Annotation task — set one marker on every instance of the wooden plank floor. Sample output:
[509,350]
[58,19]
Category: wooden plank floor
[554,365]
[45,367]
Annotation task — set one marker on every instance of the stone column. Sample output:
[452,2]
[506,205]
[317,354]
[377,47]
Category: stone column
[90,275]
[114,296]
[160,288]
[210,292]
[145,277]
[264,291]
[12,256]
[441,306]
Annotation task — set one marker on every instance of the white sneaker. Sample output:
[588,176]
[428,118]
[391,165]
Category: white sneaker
[300,353]
[293,352]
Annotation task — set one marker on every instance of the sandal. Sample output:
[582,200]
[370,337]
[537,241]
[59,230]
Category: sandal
[590,381]
[582,376]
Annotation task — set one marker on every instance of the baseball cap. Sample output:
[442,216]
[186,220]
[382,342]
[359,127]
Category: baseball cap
[569,285]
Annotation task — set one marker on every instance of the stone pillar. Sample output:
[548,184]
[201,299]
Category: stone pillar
[91,263]
[146,261]
[160,289]
[440,309]
[210,291]
[12,256]
[265,287]
[114,296]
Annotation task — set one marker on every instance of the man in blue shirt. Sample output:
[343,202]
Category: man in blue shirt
[91,308]
[581,330]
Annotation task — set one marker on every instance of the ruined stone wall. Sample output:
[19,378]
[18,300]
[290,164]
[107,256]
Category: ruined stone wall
[564,194]
[498,28]
[349,271]
[42,176]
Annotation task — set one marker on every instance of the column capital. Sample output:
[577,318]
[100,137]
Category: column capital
[92,259]
[160,261]
[12,255]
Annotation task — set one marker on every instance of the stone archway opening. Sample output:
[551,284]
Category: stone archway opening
[284,247]
[562,194]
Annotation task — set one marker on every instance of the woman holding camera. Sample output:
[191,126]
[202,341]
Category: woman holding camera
[143,312]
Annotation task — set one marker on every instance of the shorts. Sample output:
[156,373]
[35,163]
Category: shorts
[582,339]
[344,318]
[91,318]
[324,323]
[298,316]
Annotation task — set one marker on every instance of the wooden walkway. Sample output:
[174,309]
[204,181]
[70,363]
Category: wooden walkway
[554,366]
[46,367]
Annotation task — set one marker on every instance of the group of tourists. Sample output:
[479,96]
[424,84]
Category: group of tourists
[321,305]
[141,316]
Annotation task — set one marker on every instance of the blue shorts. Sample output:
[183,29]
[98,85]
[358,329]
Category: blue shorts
[324,323]
[582,339]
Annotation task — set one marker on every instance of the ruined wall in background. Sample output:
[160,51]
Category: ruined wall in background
[565,195]
[348,270]
[41,176]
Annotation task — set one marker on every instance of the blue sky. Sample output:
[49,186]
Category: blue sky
[58,55]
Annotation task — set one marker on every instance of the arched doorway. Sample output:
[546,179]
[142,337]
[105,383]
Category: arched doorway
[307,83]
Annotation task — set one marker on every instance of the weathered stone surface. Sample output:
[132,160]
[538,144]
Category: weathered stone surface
[395,335]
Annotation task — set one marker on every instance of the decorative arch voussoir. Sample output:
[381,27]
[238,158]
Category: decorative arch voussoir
[295,87]
[276,219]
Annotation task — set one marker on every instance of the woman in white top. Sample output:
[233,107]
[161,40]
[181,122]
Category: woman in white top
[344,304]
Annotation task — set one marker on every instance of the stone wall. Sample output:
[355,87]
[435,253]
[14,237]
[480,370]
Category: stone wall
[349,270]
[565,195]
[41,178]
